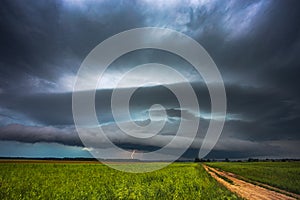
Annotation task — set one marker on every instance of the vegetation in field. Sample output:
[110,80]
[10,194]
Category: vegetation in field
[283,175]
[224,178]
[97,181]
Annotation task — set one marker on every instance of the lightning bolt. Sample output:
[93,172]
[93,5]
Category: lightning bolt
[132,154]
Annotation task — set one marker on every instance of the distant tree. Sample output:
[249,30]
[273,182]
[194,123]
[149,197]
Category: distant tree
[201,160]
[227,160]
[253,160]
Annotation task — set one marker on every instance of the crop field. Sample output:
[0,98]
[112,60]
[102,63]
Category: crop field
[97,181]
[283,175]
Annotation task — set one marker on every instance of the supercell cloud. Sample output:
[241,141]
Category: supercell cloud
[255,45]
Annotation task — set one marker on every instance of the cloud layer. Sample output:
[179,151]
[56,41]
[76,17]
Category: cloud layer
[255,45]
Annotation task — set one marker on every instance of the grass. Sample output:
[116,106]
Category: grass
[224,178]
[282,175]
[97,181]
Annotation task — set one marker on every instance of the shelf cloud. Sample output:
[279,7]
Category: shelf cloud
[255,45]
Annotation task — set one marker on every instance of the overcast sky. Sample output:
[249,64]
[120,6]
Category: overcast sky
[255,44]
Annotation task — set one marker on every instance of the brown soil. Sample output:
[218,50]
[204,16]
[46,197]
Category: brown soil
[245,189]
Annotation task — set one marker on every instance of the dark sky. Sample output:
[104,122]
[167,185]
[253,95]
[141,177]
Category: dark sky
[255,44]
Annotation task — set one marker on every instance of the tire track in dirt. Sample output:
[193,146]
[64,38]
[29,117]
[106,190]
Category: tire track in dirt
[245,189]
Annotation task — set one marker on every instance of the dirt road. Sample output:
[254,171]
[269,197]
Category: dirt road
[244,189]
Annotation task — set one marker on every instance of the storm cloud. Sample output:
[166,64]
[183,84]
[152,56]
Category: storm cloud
[255,45]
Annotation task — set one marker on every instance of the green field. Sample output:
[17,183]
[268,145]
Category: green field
[97,181]
[283,175]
